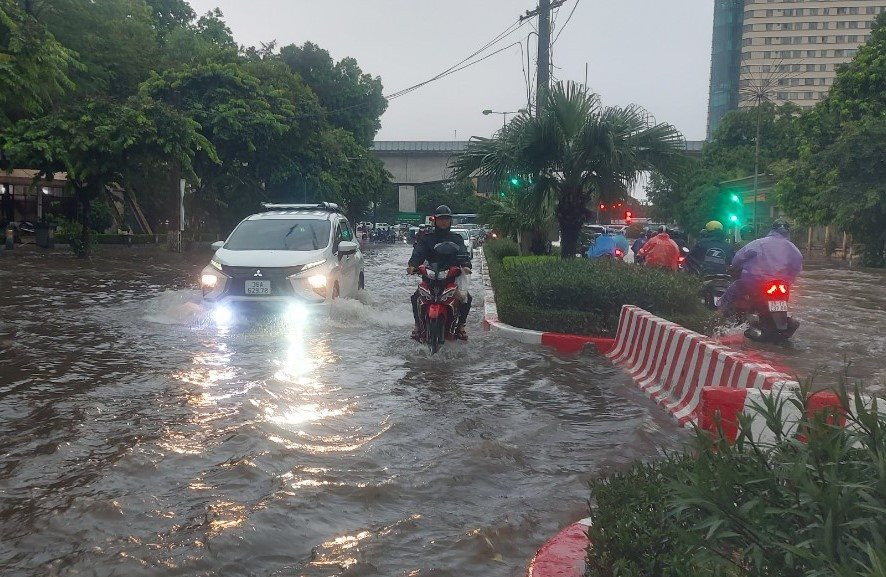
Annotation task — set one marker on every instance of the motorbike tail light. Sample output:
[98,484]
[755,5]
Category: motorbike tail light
[681,260]
[619,253]
[777,290]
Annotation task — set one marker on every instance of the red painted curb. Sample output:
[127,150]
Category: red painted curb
[563,555]
[569,344]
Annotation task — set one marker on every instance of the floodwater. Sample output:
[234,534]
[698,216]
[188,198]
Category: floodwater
[842,332]
[138,439]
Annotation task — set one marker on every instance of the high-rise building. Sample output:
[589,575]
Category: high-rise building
[789,50]
[725,60]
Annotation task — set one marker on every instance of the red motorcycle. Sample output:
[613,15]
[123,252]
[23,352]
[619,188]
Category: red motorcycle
[437,305]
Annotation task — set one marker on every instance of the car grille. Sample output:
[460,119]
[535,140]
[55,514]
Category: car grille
[267,273]
[280,285]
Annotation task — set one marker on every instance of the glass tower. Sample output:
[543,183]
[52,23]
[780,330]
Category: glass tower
[725,60]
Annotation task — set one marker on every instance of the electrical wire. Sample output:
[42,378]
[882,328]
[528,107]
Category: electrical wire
[568,18]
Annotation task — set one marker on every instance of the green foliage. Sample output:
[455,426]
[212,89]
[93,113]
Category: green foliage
[837,178]
[578,152]
[458,195]
[35,68]
[810,505]
[633,533]
[352,100]
[586,297]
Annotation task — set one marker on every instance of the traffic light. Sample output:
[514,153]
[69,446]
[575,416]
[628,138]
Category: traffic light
[733,218]
[515,181]
[628,216]
[735,198]
[602,207]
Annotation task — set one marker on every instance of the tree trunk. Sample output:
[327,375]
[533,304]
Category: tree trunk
[570,215]
[81,246]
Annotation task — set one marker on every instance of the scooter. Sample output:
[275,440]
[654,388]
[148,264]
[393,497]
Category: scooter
[437,305]
[767,312]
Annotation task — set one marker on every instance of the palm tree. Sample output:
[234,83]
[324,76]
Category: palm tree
[516,217]
[575,152]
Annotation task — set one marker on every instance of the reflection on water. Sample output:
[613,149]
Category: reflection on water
[138,438]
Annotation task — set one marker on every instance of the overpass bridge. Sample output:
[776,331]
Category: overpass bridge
[414,162]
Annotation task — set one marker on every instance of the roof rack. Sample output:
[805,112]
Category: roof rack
[324,206]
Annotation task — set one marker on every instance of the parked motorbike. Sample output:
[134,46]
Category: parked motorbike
[437,305]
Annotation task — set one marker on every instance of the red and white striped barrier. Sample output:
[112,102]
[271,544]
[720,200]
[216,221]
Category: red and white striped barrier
[726,405]
[563,343]
[564,555]
[673,364]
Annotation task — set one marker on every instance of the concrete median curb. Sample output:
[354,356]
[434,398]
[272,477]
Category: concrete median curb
[563,343]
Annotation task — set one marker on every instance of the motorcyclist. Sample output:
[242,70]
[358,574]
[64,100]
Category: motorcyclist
[638,244]
[424,252]
[712,254]
[771,257]
[603,245]
[660,251]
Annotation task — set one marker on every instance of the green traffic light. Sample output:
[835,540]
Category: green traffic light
[733,218]
[515,181]
[735,198]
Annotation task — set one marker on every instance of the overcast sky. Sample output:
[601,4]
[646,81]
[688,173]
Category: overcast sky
[655,53]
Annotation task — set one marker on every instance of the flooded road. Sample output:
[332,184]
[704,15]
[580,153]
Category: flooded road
[138,439]
[843,328]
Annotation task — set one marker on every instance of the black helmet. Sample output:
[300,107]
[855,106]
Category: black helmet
[781,225]
[443,210]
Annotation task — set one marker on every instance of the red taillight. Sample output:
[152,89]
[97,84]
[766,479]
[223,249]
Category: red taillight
[777,290]
[681,259]
[618,253]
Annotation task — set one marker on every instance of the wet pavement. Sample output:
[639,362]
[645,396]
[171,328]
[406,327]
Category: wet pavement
[136,438]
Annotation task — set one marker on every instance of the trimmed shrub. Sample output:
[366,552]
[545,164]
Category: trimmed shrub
[585,297]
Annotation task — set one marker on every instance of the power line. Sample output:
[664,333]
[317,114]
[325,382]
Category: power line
[568,18]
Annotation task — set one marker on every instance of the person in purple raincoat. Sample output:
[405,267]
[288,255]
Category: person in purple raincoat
[771,257]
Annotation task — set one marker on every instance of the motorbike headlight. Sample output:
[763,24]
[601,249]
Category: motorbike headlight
[317,281]
[209,280]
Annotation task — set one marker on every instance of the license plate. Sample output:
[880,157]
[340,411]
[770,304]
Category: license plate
[778,306]
[258,287]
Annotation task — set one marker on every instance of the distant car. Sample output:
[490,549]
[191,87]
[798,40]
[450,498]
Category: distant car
[469,239]
[293,253]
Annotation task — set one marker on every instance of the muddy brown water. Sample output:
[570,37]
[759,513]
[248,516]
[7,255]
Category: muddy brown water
[136,438]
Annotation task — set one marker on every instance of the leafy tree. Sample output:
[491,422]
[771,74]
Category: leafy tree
[115,40]
[577,152]
[34,67]
[171,15]
[352,100]
[458,195]
[91,142]
[837,177]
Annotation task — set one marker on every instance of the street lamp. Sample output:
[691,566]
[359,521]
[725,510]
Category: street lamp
[504,115]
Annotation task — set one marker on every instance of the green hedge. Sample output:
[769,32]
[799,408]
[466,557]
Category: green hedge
[585,297]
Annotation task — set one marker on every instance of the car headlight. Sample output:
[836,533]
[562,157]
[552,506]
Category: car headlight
[317,281]
[209,280]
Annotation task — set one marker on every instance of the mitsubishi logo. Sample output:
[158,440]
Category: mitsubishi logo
[257,273]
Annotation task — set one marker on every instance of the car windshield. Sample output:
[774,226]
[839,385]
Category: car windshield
[280,234]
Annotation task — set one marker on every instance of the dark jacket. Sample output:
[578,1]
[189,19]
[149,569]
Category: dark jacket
[424,249]
[711,255]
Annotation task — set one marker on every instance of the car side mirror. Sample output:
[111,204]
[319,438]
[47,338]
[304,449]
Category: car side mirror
[347,247]
[218,244]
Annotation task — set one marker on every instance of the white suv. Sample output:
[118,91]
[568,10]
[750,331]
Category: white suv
[292,253]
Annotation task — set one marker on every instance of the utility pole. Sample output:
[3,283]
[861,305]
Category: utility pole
[544,48]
